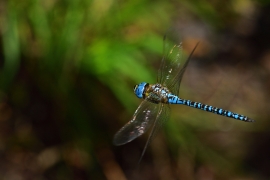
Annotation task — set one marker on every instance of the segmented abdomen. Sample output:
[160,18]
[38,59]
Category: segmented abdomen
[172,99]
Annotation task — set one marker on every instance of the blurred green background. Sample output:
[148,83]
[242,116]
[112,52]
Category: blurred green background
[67,71]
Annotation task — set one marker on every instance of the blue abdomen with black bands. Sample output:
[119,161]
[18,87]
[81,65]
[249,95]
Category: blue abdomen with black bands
[173,99]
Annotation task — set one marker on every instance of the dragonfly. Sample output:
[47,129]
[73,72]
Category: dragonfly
[154,110]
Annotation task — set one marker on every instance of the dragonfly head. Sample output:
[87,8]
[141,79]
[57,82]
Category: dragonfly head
[139,89]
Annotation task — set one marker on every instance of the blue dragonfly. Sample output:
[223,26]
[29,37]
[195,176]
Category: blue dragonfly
[154,110]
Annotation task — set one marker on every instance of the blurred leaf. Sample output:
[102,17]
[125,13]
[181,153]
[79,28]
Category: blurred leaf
[11,49]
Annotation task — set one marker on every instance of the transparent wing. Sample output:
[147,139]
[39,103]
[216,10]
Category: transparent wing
[142,119]
[162,116]
[173,64]
[174,84]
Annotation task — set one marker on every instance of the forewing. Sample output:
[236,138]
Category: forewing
[174,84]
[172,62]
[142,119]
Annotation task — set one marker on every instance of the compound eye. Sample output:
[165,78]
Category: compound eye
[135,87]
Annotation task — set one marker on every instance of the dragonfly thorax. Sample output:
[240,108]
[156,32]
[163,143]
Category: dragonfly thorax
[155,93]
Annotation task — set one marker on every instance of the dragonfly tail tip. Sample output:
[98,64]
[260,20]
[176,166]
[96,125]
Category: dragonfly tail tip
[251,120]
